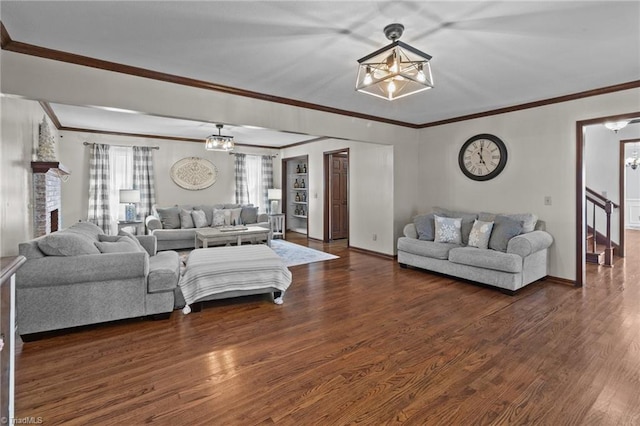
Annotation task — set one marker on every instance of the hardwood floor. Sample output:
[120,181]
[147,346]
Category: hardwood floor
[358,340]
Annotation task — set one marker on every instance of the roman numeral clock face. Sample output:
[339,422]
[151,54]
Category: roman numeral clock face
[482,157]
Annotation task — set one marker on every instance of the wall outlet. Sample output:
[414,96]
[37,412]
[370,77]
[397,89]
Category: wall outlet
[547,200]
[375,237]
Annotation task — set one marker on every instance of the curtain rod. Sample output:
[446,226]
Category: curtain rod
[110,144]
[249,153]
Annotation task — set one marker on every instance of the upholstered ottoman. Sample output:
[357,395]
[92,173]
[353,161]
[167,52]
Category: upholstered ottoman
[223,272]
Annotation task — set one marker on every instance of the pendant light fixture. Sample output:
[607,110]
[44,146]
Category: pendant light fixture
[219,142]
[396,70]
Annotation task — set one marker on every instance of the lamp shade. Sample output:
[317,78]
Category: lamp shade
[274,194]
[129,196]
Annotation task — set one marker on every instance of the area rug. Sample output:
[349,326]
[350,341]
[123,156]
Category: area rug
[295,254]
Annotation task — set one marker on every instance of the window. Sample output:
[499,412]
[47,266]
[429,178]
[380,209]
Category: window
[254,181]
[121,177]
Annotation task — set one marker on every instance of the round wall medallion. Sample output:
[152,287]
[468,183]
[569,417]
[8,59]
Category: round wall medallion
[194,173]
[482,157]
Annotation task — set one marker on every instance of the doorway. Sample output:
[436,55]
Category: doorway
[581,264]
[336,210]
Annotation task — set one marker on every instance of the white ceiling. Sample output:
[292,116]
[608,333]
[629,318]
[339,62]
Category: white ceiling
[486,55]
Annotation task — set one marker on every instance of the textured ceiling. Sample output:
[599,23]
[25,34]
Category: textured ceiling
[486,55]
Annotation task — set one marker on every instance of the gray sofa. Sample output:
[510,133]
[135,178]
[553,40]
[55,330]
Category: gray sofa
[81,276]
[175,226]
[513,261]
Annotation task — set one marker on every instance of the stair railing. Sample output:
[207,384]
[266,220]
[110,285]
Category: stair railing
[608,206]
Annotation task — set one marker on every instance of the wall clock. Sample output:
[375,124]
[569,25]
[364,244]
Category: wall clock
[194,173]
[482,157]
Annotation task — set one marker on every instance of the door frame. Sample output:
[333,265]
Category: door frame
[581,208]
[327,155]
[622,186]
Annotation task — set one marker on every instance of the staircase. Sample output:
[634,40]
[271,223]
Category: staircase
[599,247]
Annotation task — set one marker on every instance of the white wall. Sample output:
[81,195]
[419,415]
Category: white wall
[370,191]
[18,146]
[76,156]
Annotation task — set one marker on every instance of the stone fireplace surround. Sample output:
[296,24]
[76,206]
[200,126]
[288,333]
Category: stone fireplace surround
[47,196]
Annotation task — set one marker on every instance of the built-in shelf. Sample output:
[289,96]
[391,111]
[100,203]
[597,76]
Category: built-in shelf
[298,189]
[296,211]
[298,216]
[45,166]
[299,202]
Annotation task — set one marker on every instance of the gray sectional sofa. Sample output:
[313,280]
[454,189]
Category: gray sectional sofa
[81,276]
[175,226]
[516,252]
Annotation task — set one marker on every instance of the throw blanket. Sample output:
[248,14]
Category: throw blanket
[220,269]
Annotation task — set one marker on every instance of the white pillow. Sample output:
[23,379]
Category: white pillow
[480,234]
[219,218]
[234,216]
[448,229]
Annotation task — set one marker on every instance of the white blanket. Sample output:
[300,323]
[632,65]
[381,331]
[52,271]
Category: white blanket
[220,269]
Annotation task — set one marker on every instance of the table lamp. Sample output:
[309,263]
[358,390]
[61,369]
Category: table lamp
[129,197]
[274,195]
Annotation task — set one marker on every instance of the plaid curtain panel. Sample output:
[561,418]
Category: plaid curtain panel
[143,179]
[99,212]
[267,179]
[242,188]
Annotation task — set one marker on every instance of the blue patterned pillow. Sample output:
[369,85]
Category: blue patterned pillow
[448,230]
[480,234]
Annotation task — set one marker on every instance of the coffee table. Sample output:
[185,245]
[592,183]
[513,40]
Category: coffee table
[209,235]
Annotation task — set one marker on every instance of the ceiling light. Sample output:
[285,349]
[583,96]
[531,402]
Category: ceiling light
[396,70]
[616,125]
[219,142]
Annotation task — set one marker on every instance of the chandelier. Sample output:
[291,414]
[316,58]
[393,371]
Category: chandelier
[396,70]
[632,161]
[219,142]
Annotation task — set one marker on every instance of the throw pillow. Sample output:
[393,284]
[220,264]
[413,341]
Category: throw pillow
[199,218]
[124,233]
[448,230]
[170,217]
[467,220]
[67,244]
[249,214]
[88,229]
[123,245]
[218,217]
[504,229]
[425,226]
[208,211]
[108,238]
[480,234]
[186,221]
[234,218]
[529,220]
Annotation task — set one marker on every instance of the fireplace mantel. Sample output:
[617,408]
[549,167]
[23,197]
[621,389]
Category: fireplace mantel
[45,166]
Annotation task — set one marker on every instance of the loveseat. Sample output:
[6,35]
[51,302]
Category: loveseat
[175,226]
[79,276]
[507,251]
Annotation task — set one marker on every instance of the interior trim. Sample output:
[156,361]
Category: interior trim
[29,49]
[622,189]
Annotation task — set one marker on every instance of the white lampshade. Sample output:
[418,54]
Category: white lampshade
[274,194]
[129,196]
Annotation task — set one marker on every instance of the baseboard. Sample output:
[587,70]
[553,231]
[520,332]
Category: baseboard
[564,281]
[373,253]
